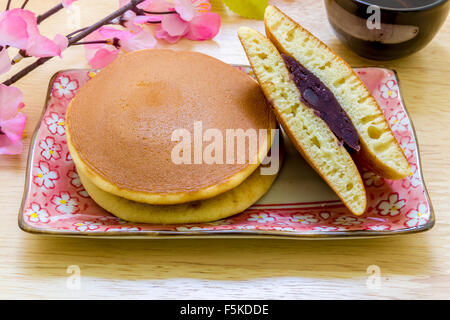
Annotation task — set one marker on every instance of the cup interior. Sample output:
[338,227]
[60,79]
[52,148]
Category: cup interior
[402,5]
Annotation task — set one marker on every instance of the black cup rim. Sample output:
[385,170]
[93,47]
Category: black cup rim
[422,8]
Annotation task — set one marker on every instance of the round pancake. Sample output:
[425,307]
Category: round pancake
[120,124]
[224,205]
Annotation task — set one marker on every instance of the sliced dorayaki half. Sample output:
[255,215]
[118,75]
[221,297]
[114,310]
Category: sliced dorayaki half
[310,134]
[379,148]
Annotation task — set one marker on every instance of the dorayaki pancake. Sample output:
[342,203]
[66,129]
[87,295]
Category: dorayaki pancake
[120,125]
[379,148]
[310,134]
[221,206]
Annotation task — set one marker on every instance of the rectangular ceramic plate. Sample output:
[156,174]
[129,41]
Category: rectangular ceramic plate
[299,204]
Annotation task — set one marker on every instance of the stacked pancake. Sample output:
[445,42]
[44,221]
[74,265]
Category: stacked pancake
[120,132]
[323,106]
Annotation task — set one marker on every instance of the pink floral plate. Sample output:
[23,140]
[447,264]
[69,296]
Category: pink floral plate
[299,204]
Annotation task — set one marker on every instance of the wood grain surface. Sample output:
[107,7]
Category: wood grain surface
[413,266]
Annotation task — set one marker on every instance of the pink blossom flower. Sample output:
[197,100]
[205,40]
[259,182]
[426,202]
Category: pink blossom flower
[61,41]
[100,55]
[12,122]
[25,35]
[135,39]
[67,3]
[193,21]
[5,61]
[13,30]
[131,18]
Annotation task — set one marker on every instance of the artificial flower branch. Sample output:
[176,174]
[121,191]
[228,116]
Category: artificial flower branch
[74,39]
[48,13]
[24,4]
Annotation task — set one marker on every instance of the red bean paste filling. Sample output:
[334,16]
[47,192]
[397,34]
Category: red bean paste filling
[316,95]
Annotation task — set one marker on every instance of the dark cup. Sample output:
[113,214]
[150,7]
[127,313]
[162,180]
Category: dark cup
[387,32]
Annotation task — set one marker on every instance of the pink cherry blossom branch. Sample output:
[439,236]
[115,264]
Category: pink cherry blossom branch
[74,39]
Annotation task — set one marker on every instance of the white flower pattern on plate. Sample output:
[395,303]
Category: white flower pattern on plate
[391,206]
[44,176]
[418,216]
[329,228]
[50,149]
[380,227]
[282,228]
[246,227]
[304,218]
[261,218]
[389,90]
[372,179]
[123,228]
[65,87]
[347,221]
[188,228]
[55,124]
[37,214]
[87,225]
[407,146]
[65,203]
[399,122]
[74,178]
[414,180]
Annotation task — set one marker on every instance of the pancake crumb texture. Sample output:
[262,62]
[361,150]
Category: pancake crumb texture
[380,149]
[310,134]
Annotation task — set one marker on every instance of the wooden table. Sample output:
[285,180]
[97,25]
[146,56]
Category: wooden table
[414,266]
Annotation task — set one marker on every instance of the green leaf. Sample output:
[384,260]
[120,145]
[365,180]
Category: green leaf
[253,9]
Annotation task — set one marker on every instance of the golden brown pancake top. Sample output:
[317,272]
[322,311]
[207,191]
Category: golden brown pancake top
[121,121]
